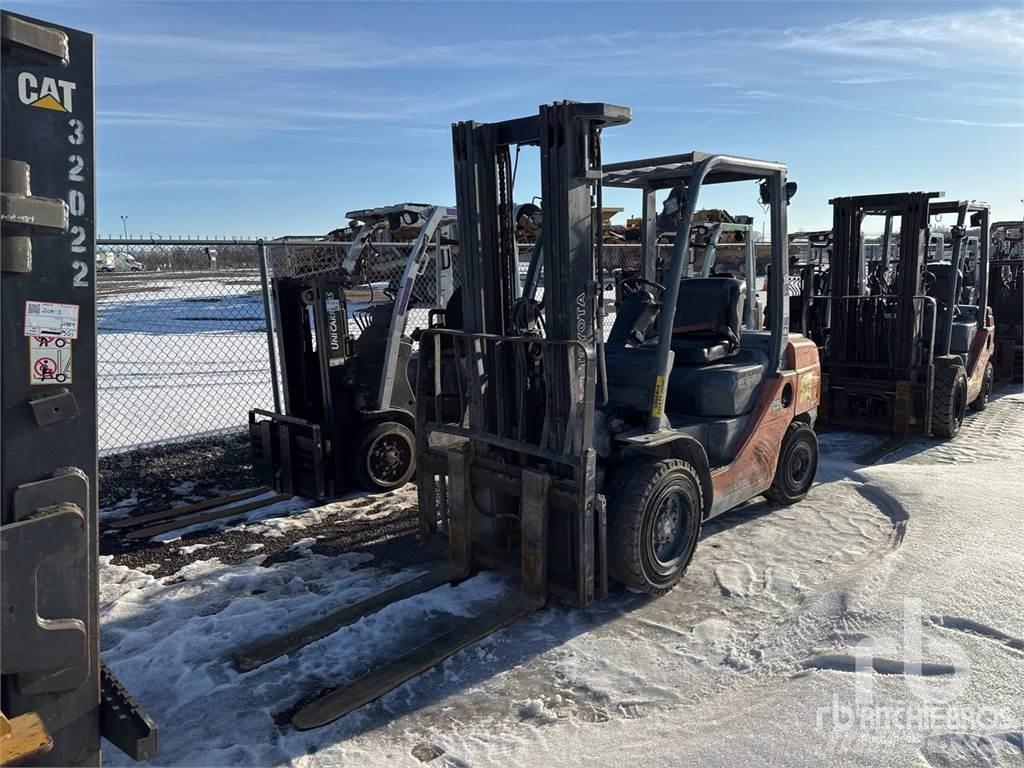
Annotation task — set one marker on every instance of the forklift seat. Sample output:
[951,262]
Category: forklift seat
[942,274]
[965,316]
[712,376]
[722,389]
[706,327]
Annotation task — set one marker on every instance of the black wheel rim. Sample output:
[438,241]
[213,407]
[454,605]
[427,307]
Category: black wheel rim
[389,459]
[799,465]
[669,532]
[960,403]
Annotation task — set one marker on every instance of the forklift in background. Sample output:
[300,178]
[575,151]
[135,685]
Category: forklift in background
[349,407]
[56,697]
[808,283]
[569,460]
[912,356]
[1006,297]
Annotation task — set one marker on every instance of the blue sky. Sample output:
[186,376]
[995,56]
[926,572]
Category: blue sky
[262,118]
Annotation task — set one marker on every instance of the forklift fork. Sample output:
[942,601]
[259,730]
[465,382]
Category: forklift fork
[900,429]
[340,701]
[532,593]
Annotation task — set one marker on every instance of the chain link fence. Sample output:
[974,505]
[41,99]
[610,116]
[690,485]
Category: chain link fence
[183,348]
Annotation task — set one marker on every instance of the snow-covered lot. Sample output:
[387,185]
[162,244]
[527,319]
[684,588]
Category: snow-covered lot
[876,623]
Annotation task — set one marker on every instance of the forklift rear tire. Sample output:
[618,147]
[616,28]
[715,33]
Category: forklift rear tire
[981,401]
[655,510]
[949,400]
[386,457]
[798,464]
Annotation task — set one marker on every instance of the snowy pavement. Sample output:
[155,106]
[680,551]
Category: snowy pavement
[876,623]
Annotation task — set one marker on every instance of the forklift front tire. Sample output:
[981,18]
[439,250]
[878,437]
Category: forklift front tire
[386,457]
[981,401]
[797,466]
[655,512]
[949,400]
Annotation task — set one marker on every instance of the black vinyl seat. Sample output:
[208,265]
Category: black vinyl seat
[722,389]
[708,318]
[965,316]
[941,276]
[711,377]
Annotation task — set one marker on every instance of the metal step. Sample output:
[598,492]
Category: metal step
[266,651]
[377,682]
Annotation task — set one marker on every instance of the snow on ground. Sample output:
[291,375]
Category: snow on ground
[876,623]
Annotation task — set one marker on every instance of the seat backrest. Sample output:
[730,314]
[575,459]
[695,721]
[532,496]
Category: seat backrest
[939,288]
[453,311]
[709,308]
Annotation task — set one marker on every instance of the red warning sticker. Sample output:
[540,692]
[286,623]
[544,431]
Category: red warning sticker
[49,360]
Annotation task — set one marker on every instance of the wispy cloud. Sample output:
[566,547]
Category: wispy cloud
[874,79]
[991,39]
[412,114]
[172,56]
[827,101]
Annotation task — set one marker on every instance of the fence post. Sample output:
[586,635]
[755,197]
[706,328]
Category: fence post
[269,322]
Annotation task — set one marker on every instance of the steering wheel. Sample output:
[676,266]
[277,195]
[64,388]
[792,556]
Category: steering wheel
[634,283]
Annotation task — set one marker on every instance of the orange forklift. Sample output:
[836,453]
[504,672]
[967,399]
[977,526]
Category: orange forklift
[566,459]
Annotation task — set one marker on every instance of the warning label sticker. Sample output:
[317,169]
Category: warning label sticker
[49,359]
[47,318]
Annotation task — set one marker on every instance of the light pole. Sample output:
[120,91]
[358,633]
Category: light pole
[124,224]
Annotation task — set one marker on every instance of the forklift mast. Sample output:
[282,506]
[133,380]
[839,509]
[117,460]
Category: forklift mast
[50,668]
[849,272]
[513,416]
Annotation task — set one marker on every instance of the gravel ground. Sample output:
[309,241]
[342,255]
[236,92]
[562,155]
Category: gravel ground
[147,478]
[154,479]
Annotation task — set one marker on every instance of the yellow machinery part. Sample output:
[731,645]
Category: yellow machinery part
[22,737]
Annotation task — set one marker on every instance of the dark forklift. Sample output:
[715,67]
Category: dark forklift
[903,350]
[348,398]
[56,697]
[1006,297]
[569,461]
[808,282]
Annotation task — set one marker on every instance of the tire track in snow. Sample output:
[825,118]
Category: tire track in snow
[970,627]
[973,750]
